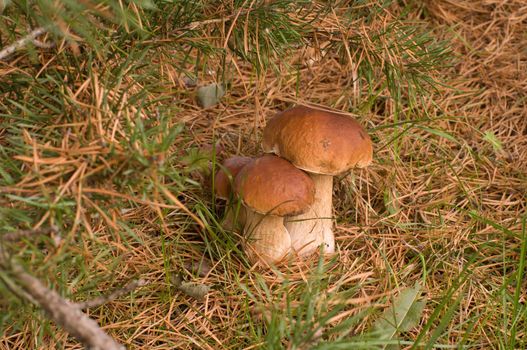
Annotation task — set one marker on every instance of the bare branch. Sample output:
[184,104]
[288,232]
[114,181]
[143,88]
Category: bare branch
[112,296]
[63,312]
[43,45]
[18,235]
[7,51]
[15,289]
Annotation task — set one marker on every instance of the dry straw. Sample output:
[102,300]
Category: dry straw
[448,182]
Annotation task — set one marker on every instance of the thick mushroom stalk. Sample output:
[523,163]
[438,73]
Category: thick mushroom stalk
[271,188]
[309,230]
[266,238]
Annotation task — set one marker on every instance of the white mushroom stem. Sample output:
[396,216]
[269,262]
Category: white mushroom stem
[306,232]
[315,227]
[266,237]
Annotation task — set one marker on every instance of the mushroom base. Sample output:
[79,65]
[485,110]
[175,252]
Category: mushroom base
[266,237]
[309,230]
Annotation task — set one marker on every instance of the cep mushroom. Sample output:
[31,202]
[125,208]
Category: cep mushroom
[323,144]
[223,181]
[271,188]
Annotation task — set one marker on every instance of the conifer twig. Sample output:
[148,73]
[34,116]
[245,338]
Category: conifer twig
[103,299]
[18,235]
[62,311]
[31,37]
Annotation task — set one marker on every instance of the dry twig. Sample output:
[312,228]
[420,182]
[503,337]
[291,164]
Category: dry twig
[18,235]
[31,37]
[103,299]
[65,313]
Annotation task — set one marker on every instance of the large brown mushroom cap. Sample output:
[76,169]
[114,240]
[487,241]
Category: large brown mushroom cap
[318,141]
[232,167]
[272,185]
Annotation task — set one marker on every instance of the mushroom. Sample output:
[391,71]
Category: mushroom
[271,188]
[223,181]
[324,144]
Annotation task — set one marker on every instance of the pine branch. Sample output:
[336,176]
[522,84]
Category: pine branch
[31,37]
[112,296]
[18,235]
[63,312]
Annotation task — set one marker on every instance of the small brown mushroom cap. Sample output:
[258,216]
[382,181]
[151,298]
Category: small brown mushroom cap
[272,185]
[232,167]
[318,141]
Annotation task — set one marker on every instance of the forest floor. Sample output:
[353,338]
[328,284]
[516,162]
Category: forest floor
[117,155]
